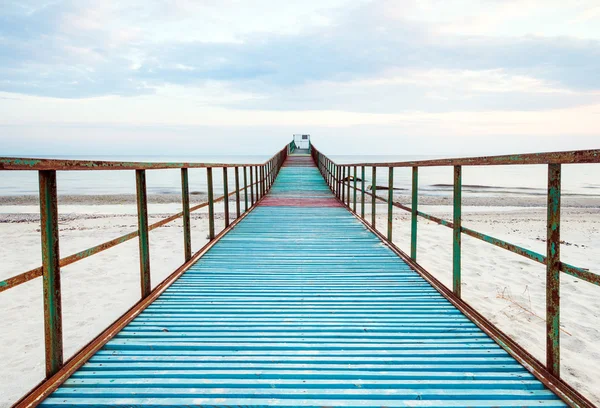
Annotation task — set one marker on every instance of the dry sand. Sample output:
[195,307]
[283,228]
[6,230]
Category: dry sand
[506,288]
[509,289]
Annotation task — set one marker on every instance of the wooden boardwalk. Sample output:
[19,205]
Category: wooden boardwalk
[301,306]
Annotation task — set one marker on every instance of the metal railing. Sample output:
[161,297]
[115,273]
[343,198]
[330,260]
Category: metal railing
[257,179]
[342,178]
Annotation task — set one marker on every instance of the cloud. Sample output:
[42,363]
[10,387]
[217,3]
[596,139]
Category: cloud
[424,90]
[373,58]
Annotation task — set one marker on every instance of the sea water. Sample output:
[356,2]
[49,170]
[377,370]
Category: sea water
[522,180]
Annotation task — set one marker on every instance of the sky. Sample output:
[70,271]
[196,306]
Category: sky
[448,77]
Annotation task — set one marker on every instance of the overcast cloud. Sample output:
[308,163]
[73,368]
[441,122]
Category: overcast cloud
[444,77]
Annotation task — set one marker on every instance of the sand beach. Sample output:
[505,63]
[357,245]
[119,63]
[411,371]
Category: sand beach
[506,288]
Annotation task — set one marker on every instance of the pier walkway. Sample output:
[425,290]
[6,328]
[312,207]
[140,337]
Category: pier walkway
[300,305]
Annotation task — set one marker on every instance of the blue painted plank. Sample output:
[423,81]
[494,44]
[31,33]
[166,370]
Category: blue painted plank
[301,307]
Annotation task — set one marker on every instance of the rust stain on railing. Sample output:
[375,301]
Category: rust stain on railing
[262,177]
[550,372]
[50,270]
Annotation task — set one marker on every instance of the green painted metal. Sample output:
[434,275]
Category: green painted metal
[340,183]
[456,236]
[390,221]
[338,180]
[12,163]
[257,183]
[144,241]
[226,196]
[374,197]
[553,271]
[362,192]
[272,173]
[251,187]
[263,178]
[355,192]
[211,204]
[331,175]
[187,229]
[245,189]
[334,179]
[344,184]
[567,157]
[53,335]
[70,259]
[414,210]
[237,193]
[348,186]
[318,313]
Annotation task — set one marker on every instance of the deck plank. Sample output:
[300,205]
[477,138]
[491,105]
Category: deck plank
[301,306]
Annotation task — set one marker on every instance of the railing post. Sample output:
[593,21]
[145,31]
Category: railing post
[354,180]
[237,192]
[413,217]
[362,196]
[339,177]
[272,173]
[262,181]
[348,187]
[390,226]
[553,271]
[51,272]
[374,200]
[185,201]
[257,183]
[338,181]
[456,235]
[267,177]
[142,207]
[211,204]
[251,187]
[226,195]
[343,184]
[334,179]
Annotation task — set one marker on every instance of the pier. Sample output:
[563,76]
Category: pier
[299,302]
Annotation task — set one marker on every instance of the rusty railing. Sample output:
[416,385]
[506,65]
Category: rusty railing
[261,178]
[342,178]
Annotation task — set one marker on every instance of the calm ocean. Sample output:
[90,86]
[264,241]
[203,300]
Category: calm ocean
[578,179]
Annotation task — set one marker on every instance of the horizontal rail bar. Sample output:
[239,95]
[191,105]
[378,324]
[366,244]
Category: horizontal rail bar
[14,163]
[558,386]
[548,373]
[567,157]
[45,388]
[37,272]
[574,271]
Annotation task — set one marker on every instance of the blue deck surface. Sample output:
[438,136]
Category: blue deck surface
[301,307]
